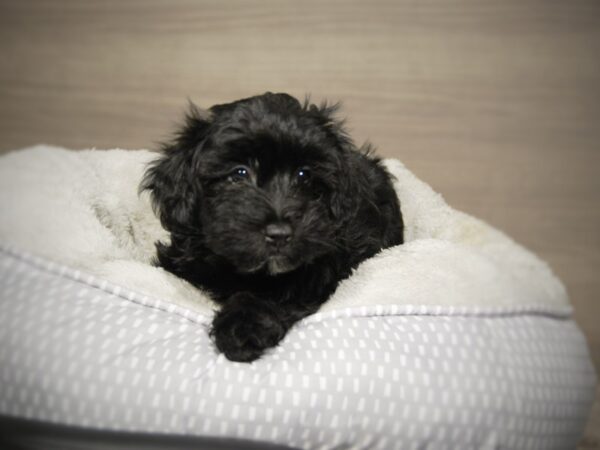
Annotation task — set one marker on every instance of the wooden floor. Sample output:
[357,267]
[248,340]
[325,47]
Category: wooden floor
[495,104]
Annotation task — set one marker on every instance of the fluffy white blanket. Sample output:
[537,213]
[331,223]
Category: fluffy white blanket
[82,209]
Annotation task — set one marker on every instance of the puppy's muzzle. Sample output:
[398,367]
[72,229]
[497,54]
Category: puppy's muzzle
[278,234]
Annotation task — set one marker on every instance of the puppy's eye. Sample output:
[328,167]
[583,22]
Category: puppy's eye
[239,174]
[303,174]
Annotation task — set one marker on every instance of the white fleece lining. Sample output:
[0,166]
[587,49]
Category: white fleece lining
[348,312]
[82,210]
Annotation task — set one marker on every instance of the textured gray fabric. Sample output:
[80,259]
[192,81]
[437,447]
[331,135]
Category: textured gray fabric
[76,350]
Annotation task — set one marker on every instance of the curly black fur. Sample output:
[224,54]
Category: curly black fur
[269,205]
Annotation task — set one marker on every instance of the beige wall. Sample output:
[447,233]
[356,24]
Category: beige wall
[494,103]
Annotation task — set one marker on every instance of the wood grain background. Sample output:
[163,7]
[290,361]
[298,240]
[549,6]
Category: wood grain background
[495,103]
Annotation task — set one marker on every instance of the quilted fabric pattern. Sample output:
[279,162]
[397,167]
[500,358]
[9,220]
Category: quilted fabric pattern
[76,350]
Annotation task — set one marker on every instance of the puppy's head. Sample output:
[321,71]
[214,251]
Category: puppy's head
[261,183]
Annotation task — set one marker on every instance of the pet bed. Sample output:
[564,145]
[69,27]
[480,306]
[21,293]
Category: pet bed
[459,338]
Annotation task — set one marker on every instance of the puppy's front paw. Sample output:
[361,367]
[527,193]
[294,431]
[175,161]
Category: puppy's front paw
[243,330]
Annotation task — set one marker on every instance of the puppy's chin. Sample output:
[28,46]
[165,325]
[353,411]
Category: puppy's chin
[280,264]
[273,265]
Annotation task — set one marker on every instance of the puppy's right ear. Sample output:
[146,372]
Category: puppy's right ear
[175,189]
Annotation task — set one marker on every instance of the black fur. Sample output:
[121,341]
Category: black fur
[269,205]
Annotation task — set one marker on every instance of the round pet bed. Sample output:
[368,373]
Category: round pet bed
[458,339]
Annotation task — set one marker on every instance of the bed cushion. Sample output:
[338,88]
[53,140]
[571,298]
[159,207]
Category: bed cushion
[77,350]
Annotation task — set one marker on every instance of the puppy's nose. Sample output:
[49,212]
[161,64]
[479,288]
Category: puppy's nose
[278,233]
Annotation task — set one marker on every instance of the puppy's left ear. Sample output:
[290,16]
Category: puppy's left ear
[363,191]
[171,180]
[349,183]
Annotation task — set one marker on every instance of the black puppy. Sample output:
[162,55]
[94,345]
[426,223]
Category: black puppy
[269,205]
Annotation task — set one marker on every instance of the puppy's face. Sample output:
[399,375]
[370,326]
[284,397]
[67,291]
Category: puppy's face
[263,173]
[265,203]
